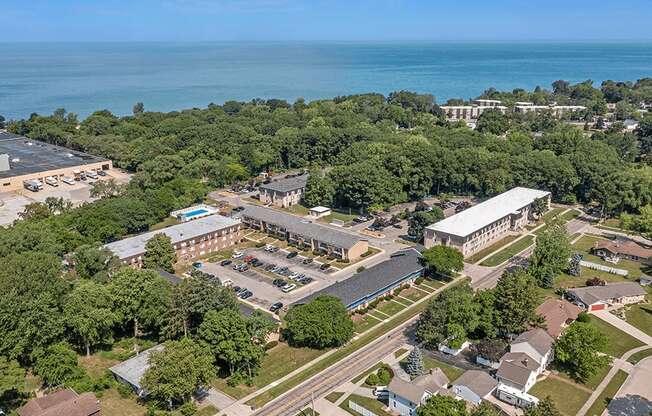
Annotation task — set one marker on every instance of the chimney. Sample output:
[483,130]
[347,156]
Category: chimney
[524,361]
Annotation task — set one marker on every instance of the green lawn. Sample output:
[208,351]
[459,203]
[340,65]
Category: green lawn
[413,294]
[209,410]
[337,215]
[565,280]
[334,396]
[431,284]
[640,316]
[400,352]
[592,382]
[570,215]
[587,242]
[451,372]
[567,397]
[607,394]
[635,358]
[619,342]
[114,405]
[373,405]
[390,307]
[509,252]
[494,247]
[364,322]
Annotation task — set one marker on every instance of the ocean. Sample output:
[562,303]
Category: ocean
[84,77]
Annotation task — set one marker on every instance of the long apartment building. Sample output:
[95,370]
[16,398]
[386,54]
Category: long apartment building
[468,112]
[556,110]
[299,231]
[482,225]
[190,239]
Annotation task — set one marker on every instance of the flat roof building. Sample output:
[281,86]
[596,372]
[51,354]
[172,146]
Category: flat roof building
[302,232]
[190,239]
[284,192]
[481,225]
[23,159]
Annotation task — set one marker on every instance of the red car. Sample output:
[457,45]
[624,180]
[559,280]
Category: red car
[247,259]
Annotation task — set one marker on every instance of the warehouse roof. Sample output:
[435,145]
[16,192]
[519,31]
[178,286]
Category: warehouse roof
[488,212]
[27,156]
[302,227]
[133,246]
[287,184]
[376,278]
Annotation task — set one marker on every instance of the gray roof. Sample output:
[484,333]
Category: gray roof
[479,382]
[374,279]
[134,246]
[287,184]
[592,294]
[414,390]
[27,156]
[537,338]
[133,369]
[302,226]
[516,367]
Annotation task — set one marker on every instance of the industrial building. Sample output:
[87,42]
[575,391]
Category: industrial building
[24,160]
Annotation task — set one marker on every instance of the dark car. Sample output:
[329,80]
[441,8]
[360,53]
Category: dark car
[237,289]
[278,282]
[225,262]
[256,263]
[274,249]
[101,173]
[246,294]
[292,254]
[269,267]
[324,266]
[305,280]
[275,307]
[399,226]
[307,260]
[197,265]
[238,209]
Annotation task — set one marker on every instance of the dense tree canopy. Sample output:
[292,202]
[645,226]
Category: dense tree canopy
[321,323]
[578,350]
[550,256]
[159,253]
[443,260]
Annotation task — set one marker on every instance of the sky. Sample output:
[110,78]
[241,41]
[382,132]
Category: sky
[328,20]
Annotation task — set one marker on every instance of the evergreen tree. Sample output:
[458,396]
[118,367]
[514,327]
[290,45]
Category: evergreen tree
[414,365]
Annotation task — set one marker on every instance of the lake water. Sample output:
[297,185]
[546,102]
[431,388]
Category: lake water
[84,77]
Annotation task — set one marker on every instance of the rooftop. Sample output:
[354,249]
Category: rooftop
[537,338]
[287,184]
[626,247]
[557,313]
[27,156]
[592,294]
[479,382]
[133,369]
[133,246]
[516,367]
[302,227]
[414,390]
[488,212]
[64,402]
[371,280]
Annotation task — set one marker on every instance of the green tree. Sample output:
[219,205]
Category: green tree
[159,253]
[139,108]
[550,256]
[485,409]
[89,315]
[540,206]
[106,189]
[319,190]
[493,121]
[546,407]
[641,223]
[12,376]
[578,350]
[177,371]
[94,263]
[516,299]
[140,297]
[321,323]
[439,405]
[414,366]
[57,365]
[443,260]
[419,220]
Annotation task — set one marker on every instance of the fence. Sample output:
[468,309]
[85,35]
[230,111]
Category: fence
[357,408]
[601,267]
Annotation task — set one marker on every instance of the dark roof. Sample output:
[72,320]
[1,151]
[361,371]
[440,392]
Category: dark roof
[302,226]
[369,281]
[287,184]
[592,294]
[28,156]
[479,382]
[516,367]
[64,402]
[537,338]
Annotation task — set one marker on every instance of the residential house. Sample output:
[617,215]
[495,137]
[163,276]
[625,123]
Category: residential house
[285,192]
[557,314]
[131,371]
[406,396]
[615,250]
[530,353]
[62,403]
[474,386]
[595,298]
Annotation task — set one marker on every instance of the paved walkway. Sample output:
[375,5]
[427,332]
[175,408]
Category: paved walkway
[624,326]
[637,384]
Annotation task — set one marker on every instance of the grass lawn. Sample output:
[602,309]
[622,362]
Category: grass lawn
[635,358]
[570,215]
[413,294]
[640,316]
[400,352]
[364,322]
[334,396]
[565,280]
[592,382]
[390,307]
[451,372]
[607,394]
[97,364]
[587,242]
[403,301]
[114,405]
[619,342]
[494,247]
[278,362]
[297,209]
[568,398]
[209,410]
[430,285]
[336,215]
[373,405]
[509,252]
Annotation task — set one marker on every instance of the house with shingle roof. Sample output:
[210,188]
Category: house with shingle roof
[529,355]
[594,298]
[406,396]
[474,386]
[615,250]
[284,192]
[557,314]
[64,402]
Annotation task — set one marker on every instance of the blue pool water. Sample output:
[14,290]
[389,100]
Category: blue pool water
[194,213]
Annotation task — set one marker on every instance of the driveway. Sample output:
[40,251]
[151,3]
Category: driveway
[635,395]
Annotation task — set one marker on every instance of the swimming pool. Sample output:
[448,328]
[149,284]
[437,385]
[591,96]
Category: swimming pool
[194,213]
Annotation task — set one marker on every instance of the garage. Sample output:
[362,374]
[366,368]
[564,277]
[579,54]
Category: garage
[598,307]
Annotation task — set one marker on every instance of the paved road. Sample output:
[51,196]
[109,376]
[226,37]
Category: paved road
[635,395]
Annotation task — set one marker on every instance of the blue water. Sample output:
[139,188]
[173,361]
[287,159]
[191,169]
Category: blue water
[84,77]
[189,215]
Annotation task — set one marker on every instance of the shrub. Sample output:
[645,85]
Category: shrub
[360,269]
[419,280]
[388,297]
[366,253]
[235,380]
[583,317]
[595,281]
[188,409]
[372,380]
[345,261]
[330,258]
[384,375]
[125,391]
[270,345]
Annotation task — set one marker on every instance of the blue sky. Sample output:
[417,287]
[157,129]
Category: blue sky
[354,20]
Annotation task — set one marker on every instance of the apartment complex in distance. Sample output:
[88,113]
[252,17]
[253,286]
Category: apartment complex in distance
[482,225]
[473,111]
[23,160]
[284,192]
[556,110]
[190,239]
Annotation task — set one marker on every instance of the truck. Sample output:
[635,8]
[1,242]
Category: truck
[91,174]
[33,185]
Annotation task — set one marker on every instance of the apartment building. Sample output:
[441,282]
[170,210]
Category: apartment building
[468,112]
[482,225]
[556,110]
[284,192]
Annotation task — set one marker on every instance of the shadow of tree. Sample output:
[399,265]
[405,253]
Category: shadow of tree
[630,405]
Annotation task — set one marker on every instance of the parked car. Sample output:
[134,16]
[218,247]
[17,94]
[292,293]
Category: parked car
[397,225]
[237,254]
[289,287]
[243,267]
[52,181]
[101,173]
[270,267]
[324,266]
[256,263]
[305,280]
[269,247]
[294,275]
[361,219]
[274,249]
[292,254]
[278,282]
[225,262]
[237,289]
[284,271]
[238,209]
[91,174]
[307,260]
[68,180]
[227,283]
[276,306]
[246,294]
[197,265]
[248,259]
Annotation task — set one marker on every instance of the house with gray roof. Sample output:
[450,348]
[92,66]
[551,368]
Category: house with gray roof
[403,267]
[474,386]
[132,370]
[406,396]
[594,298]
[530,353]
[285,192]
[305,233]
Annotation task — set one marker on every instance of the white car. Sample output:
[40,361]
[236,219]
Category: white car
[227,283]
[294,275]
[288,288]
[91,174]
[51,181]
[237,254]
[269,247]
[68,180]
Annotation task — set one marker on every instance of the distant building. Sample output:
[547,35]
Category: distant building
[24,160]
[62,403]
[468,112]
[318,212]
[474,386]
[595,298]
[482,225]
[190,239]
[556,110]
[194,212]
[406,396]
[615,250]
[487,103]
[558,315]
[313,236]
[359,290]
[284,192]
[131,371]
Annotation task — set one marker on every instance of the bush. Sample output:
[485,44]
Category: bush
[188,409]
[385,375]
[330,258]
[583,317]
[372,380]
[595,281]
[360,269]
[419,280]
[270,345]
[235,380]
[366,253]
[125,391]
